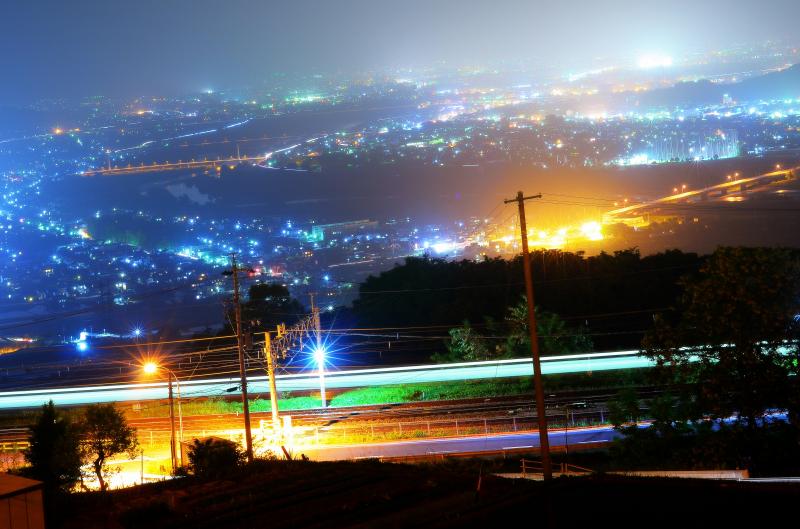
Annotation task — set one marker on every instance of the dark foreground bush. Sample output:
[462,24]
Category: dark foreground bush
[768,450]
[214,457]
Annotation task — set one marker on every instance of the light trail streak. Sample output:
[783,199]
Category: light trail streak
[334,379]
[192,134]
[239,124]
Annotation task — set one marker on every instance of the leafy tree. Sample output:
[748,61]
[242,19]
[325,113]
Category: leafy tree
[54,451]
[465,345]
[624,409]
[739,318]
[269,304]
[554,336]
[214,457]
[426,291]
[106,433]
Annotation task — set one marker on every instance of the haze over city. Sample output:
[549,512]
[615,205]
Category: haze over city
[119,48]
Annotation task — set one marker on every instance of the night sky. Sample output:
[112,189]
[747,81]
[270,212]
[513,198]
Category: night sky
[114,47]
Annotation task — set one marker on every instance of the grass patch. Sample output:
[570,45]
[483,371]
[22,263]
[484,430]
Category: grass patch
[431,391]
[222,406]
[488,388]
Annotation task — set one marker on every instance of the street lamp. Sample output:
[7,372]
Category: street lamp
[151,368]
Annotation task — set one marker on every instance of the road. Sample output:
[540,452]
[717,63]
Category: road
[472,444]
[734,190]
[335,380]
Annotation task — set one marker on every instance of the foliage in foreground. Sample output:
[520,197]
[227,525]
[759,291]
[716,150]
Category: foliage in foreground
[734,341]
[105,434]
[213,457]
[673,442]
[731,349]
[511,339]
[54,455]
[59,446]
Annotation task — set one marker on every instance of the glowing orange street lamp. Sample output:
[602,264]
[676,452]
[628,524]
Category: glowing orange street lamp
[151,368]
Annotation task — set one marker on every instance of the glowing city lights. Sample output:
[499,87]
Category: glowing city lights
[654,60]
[592,231]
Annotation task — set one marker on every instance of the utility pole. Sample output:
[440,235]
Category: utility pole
[544,442]
[237,309]
[319,352]
[273,388]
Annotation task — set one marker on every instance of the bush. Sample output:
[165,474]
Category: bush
[214,457]
[710,445]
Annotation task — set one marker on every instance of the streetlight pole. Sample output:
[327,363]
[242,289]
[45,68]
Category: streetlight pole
[180,412]
[152,367]
[319,352]
[273,388]
[544,442]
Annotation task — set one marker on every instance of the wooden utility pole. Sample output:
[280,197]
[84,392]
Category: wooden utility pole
[544,442]
[237,309]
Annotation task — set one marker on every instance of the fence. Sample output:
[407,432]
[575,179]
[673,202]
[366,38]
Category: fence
[14,439]
[530,466]
[422,428]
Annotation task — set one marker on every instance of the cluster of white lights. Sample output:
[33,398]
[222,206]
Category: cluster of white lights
[655,60]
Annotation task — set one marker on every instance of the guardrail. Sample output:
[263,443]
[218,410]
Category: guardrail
[531,466]
[14,439]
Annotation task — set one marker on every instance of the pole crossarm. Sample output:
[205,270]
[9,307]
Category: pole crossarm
[518,198]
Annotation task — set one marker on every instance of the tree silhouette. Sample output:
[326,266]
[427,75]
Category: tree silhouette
[105,434]
[54,451]
[738,317]
[269,304]
[214,457]
[614,296]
